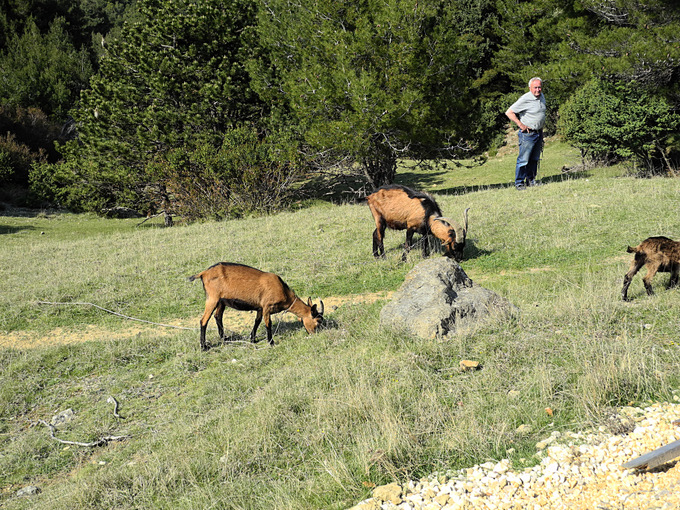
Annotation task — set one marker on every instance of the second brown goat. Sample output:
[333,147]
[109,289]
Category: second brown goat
[659,254]
[245,288]
[400,208]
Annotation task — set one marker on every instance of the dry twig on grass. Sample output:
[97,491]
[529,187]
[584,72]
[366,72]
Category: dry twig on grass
[113,401]
[100,442]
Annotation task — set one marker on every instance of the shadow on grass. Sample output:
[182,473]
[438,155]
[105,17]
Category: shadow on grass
[351,187]
[422,180]
[280,329]
[6,229]
[462,190]
[472,251]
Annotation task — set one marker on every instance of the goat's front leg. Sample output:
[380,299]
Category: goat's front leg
[258,319]
[268,325]
[426,244]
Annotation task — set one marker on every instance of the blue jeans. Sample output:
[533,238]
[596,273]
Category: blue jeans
[530,146]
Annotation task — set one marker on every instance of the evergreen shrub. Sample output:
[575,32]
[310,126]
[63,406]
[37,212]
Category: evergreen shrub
[245,174]
[622,121]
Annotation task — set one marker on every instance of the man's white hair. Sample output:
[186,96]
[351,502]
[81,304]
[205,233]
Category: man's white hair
[535,78]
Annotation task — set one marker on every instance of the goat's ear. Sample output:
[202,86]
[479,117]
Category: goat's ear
[309,301]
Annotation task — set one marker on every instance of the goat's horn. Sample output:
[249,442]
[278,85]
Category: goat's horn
[465,216]
[321,311]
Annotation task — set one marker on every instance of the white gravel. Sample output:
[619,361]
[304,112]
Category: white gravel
[577,471]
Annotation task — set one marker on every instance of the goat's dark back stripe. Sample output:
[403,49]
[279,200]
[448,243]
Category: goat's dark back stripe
[429,204]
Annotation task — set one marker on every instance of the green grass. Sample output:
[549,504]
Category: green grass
[316,420]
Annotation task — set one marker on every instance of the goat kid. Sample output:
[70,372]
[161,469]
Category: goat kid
[659,254]
[245,288]
[400,208]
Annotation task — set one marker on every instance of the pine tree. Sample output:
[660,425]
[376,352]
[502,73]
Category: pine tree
[369,81]
[175,80]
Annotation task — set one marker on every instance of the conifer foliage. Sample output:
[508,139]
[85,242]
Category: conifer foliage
[174,81]
[369,81]
[214,108]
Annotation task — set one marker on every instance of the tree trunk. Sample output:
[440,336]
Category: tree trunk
[166,206]
[380,166]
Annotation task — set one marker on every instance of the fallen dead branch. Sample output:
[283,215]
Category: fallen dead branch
[100,442]
[113,401]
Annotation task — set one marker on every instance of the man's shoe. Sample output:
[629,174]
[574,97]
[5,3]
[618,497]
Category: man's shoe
[520,187]
[535,183]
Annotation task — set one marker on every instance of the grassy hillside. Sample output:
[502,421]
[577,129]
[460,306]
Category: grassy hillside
[316,421]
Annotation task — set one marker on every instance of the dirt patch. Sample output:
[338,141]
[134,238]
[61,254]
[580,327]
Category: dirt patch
[237,322]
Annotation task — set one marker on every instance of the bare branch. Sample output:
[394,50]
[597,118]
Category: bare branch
[100,442]
[113,401]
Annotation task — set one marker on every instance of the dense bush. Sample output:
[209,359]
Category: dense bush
[16,159]
[246,173]
[621,121]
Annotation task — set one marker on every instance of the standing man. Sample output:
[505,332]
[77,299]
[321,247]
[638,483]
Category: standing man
[528,112]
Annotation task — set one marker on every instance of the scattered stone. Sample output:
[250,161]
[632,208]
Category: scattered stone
[62,418]
[523,429]
[30,490]
[390,493]
[468,365]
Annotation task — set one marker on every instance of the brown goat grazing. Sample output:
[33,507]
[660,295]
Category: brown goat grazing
[658,254]
[401,208]
[245,288]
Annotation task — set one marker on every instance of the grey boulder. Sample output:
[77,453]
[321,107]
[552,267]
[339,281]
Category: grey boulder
[437,297]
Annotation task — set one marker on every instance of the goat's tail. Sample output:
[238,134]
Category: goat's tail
[194,277]
[630,249]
